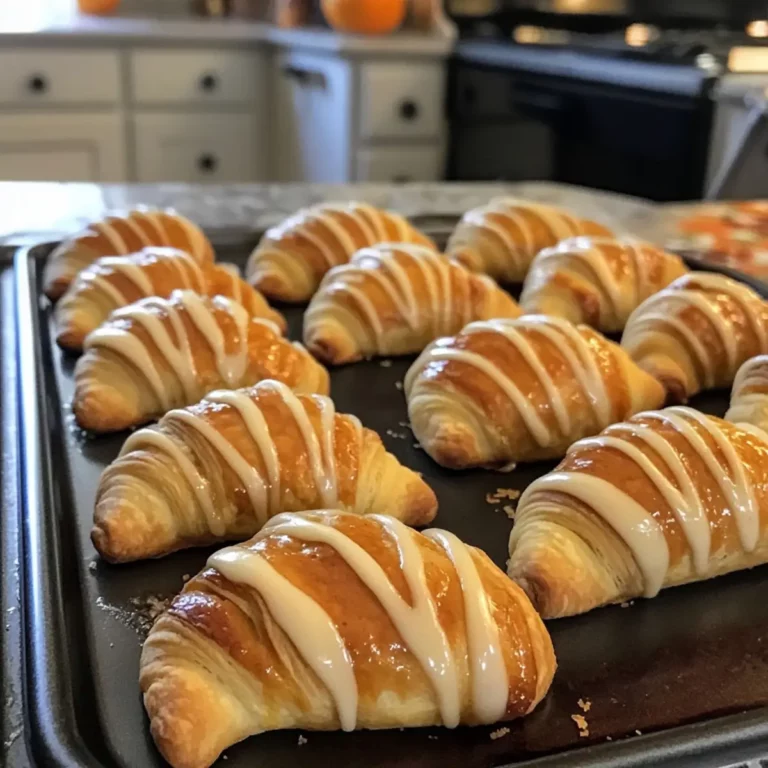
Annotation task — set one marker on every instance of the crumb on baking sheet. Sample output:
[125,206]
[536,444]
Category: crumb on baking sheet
[584,705]
[498,733]
[502,494]
[608,738]
[581,724]
[627,604]
[185,578]
[509,511]
[398,435]
[399,385]
[431,736]
[302,740]
[385,363]
[639,733]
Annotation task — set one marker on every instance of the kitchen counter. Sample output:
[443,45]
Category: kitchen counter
[180,28]
[46,210]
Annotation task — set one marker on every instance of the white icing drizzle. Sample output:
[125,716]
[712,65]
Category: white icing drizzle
[417,623]
[489,681]
[560,223]
[749,399]
[382,264]
[569,343]
[637,527]
[307,625]
[149,313]
[685,292]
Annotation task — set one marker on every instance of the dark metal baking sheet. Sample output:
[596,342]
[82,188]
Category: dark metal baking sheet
[694,655]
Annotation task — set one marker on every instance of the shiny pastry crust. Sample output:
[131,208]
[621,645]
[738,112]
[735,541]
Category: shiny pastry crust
[667,498]
[112,282]
[696,333]
[502,238]
[506,391]
[597,281]
[119,235]
[158,354]
[293,257]
[393,299]
[749,398]
[226,661]
[219,470]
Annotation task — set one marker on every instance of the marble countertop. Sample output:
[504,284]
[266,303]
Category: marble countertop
[182,28]
[32,210]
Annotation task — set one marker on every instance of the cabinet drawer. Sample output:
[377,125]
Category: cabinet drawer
[40,146]
[196,147]
[401,100]
[42,76]
[397,163]
[198,76]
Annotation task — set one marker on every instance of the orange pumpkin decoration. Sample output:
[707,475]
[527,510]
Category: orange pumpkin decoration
[368,17]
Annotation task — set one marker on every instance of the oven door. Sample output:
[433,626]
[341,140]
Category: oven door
[518,126]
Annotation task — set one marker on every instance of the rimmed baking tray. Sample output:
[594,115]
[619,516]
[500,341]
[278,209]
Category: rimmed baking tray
[667,681]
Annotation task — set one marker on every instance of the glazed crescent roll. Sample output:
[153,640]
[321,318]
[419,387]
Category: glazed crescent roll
[112,282]
[505,391]
[696,333]
[393,299]
[292,258]
[119,235]
[597,280]
[749,398]
[158,354]
[666,498]
[260,640]
[219,470]
[502,237]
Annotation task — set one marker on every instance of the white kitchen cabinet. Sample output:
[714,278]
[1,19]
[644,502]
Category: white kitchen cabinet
[39,146]
[399,163]
[199,76]
[198,147]
[313,130]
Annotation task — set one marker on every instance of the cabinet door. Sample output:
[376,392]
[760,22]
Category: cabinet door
[62,147]
[195,147]
[313,126]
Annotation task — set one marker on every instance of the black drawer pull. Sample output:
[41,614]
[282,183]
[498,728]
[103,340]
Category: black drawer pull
[207,162]
[37,84]
[409,110]
[209,82]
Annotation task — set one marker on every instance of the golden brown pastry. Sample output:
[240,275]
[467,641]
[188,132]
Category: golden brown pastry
[158,354]
[502,238]
[749,398]
[292,258]
[219,470]
[506,391]
[599,281]
[696,333]
[112,282]
[393,299]
[429,632]
[666,498]
[119,235]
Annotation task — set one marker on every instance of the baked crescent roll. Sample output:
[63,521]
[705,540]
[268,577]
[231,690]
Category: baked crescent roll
[119,235]
[393,299]
[219,470]
[505,391]
[666,498]
[158,354]
[696,333]
[502,238]
[749,398]
[429,632]
[291,259]
[112,282]
[599,281]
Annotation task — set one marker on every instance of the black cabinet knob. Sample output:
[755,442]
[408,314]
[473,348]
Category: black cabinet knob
[207,162]
[409,110]
[37,84]
[209,82]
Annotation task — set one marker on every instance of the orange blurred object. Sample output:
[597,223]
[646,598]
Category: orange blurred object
[98,6]
[370,17]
